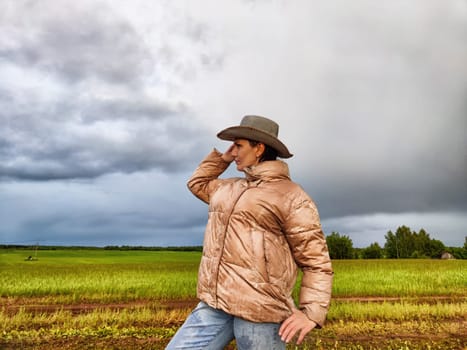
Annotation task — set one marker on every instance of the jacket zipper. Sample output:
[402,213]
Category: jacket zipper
[225,235]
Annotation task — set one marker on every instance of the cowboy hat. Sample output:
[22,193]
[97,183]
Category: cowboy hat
[256,128]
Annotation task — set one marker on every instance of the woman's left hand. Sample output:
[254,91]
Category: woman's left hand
[297,322]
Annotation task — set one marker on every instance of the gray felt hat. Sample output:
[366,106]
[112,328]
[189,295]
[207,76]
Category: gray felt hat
[256,128]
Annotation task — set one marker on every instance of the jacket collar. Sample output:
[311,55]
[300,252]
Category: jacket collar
[272,170]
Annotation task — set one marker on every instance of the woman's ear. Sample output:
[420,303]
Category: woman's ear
[260,149]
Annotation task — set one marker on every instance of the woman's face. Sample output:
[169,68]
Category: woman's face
[246,155]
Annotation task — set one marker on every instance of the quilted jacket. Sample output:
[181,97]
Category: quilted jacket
[260,230]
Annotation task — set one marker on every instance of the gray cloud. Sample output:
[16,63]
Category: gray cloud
[103,136]
[79,106]
[73,42]
[150,208]
[106,108]
[387,120]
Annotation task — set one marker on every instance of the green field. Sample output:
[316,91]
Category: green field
[99,275]
[111,299]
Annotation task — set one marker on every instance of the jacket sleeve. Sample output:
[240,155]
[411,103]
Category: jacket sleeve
[310,251]
[204,180]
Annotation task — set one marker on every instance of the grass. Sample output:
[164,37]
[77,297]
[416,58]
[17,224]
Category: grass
[396,311]
[377,304]
[141,323]
[107,276]
[402,278]
[154,314]
[129,275]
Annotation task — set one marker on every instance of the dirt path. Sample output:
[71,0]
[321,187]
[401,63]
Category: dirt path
[38,305]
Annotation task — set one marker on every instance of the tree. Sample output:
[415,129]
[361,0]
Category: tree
[374,251]
[422,242]
[357,253]
[391,247]
[407,244]
[436,249]
[340,247]
[399,245]
[458,252]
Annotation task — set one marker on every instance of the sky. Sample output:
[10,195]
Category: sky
[107,107]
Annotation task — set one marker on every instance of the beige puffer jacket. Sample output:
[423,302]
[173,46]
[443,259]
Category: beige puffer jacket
[259,229]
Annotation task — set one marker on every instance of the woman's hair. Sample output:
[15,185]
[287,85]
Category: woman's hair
[269,152]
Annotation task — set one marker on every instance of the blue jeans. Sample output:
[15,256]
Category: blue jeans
[212,329]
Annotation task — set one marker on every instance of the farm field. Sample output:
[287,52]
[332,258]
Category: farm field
[109,299]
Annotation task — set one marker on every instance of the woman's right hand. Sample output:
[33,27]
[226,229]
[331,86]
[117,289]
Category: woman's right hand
[227,155]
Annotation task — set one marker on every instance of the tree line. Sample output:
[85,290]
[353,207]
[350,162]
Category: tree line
[402,244]
[109,247]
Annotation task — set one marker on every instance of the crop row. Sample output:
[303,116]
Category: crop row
[443,325]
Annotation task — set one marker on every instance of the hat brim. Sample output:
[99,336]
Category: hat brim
[246,132]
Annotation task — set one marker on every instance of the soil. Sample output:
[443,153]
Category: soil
[37,305]
[12,305]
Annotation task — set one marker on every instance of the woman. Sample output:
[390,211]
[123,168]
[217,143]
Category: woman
[260,229]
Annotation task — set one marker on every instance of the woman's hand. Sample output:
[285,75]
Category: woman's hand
[227,155]
[297,322]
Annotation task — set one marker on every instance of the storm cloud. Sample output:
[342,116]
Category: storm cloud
[107,107]
[74,103]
